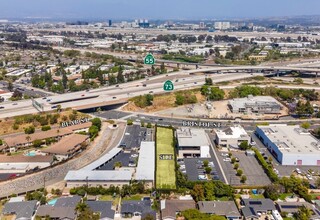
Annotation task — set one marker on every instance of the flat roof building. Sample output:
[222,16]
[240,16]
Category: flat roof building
[291,145]
[231,137]
[146,163]
[104,178]
[190,142]
[255,104]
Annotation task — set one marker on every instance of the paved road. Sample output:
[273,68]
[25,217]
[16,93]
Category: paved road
[108,139]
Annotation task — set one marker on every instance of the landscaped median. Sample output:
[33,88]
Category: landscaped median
[165,159]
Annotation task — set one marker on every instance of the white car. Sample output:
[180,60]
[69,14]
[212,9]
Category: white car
[253,143]
[227,159]
[298,171]
[225,154]
[134,155]
[202,177]
[309,177]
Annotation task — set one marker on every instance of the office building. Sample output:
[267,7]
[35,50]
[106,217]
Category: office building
[231,137]
[255,104]
[192,143]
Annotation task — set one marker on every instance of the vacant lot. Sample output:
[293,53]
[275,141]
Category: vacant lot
[166,177]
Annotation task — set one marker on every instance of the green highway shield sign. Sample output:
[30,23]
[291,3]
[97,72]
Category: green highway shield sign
[149,59]
[168,86]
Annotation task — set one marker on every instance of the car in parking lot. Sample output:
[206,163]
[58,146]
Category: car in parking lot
[202,177]
[132,165]
[228,159]
[215,177]
[134,155]
[225,154]
[1,107]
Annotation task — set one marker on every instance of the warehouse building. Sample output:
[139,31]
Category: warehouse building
[255,104]
[291,145]
[146,164]
[231,137]
[192,143]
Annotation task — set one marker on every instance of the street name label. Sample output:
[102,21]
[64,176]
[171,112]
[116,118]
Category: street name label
[206,124]
[168,86]
[74,122]
[165,157]
[149,59]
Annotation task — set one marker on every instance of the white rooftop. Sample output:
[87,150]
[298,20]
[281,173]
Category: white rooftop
[146,162]
[292,139]
[108,156]
[192,137]
[232,133]
[99,175]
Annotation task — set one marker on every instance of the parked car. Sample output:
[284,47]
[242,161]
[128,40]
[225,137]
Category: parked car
[227,159]
[225,154]
[298,171]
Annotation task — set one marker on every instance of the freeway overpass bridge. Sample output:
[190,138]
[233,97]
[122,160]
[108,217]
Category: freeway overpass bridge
[119,94]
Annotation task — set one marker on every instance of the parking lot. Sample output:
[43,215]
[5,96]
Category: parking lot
[123,158]
[195,170]
[252,169]
[133,136]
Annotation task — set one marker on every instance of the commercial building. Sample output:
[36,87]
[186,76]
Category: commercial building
[192,143]
[146,164]
[255,104]
[104,178]
[231,137]
[221,25]
[68,146]
[291,145]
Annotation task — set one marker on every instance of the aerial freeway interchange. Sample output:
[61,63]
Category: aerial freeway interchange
[120,93]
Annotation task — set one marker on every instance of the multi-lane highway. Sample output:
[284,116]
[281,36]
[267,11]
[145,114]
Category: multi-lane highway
[120,93]
[115,94]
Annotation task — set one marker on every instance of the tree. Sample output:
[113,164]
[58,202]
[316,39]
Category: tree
[29,130]
[272,191]
[117,164]
[244,145]
[112,79]
[64,80]
[208,170]
[208,81]
[93,131]
[120,77]
[236,166]
[198,192]
[45,128]
[97,122]
[37,143]
[239,172]
[149,125]
[303,213]
[10,86]
[317,182]
[243,179]
[205,163]
[305,125]
[129,122]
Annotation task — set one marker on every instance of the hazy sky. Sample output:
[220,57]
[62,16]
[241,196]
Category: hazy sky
[156,9]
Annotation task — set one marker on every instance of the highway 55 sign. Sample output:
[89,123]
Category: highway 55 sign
[149,59]
[168,86]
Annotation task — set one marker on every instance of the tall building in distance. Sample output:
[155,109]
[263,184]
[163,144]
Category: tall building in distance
[221,25]
[110,23]
[201,25]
